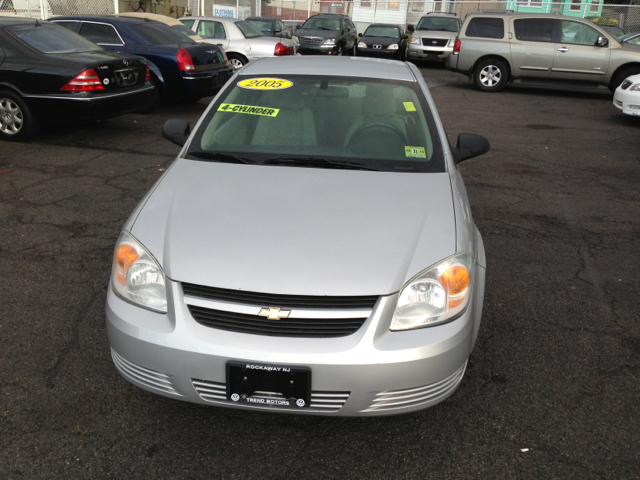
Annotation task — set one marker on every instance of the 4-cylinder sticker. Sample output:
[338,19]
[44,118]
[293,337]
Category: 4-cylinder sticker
[417,152]
[409,106]
[249,109]
[265,84]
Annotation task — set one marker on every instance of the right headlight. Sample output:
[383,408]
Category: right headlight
[436,295]
[635,88]
[415,41]
[329,41]
[136,276]
[295,39]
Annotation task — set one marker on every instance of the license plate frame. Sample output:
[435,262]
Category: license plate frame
[249,382]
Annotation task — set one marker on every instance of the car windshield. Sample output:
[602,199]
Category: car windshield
[161,34]
[264,26]
[322,24]
[321,122]
[47,38]
[617,32]
[249,30]
[439,23]
[387,32]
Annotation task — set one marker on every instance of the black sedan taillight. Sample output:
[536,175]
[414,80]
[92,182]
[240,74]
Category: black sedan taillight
[87,81]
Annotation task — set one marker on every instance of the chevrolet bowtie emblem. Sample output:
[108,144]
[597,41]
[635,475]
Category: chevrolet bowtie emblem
[273,313]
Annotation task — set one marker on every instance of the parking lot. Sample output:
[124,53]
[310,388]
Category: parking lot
[552,386]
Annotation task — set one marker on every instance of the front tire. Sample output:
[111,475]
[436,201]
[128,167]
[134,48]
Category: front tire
[236,61]
[620,76]
[17,123]
[490,75]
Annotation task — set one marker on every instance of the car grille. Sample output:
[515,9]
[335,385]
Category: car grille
[411,397]
[141,375]
[216,392]
[626,84]
[311,40]
[285,327]
[434,42]
[288,301]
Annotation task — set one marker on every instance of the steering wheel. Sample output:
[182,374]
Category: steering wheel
[369,126]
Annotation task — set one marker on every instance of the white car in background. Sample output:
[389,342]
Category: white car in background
[627,96]
[241,40]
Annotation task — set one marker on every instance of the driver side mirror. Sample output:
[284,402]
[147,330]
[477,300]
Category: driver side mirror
[602,41]
[360,35]
[469,145]
[176,131]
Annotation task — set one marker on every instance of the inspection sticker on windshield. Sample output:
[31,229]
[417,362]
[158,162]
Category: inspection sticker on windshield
[416,152]
[249,109]
[265,84]
[409,106]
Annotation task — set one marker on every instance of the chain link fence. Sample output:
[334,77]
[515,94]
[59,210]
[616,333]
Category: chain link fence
[362,12]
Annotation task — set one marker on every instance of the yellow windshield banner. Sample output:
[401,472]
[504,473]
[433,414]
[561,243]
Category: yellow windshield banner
[409,106]
[249,109]
[416,152]
[265,84]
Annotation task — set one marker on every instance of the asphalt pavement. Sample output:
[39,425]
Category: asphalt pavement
[553,385]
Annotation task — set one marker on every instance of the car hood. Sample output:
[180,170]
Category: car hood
[384,41]
[434,34]
[298,231]
[317,33]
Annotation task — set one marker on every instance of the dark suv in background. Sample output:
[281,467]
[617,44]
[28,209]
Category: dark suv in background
[327,34]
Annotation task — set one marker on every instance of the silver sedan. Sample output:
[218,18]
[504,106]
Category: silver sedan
[310,251]
[241,40]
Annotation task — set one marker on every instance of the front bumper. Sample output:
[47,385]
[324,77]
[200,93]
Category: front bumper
[379,53]
[318,49]
[372,372]
[88,106]
[420,52]
[627,101]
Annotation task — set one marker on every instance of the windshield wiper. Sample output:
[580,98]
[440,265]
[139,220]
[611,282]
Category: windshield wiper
[318,163]
[219,157]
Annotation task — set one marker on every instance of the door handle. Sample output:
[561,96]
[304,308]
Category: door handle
[563,49]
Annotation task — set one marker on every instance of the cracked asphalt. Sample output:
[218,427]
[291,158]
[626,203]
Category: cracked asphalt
[556,369]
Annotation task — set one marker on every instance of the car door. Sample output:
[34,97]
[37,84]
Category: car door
[577,55]
[213,32]
[102,34]
[532,47]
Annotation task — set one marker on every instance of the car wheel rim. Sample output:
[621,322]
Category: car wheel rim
[11,117]
[236,64]
[490,76]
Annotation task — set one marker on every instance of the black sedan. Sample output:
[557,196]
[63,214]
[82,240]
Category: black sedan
[48,74]
[383,40]
[181,68]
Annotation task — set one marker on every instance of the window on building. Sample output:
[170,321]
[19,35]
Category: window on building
[576,5]
[595,6]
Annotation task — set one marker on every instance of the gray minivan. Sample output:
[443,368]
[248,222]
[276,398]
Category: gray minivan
[494,49]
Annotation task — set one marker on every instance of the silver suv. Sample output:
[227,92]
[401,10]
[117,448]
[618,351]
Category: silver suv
[494,49]
[433,37]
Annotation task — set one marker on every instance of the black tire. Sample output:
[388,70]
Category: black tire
[236,61]
[17,123]
[490,75]
[155,100]
[621,75]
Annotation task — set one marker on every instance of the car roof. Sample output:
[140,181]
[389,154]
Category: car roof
[262,18]
[330,66]
[440,14]
[152,16]
[105,18]
[328,15]
[17,21]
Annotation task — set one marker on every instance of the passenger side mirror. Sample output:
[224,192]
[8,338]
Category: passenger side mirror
[359,35]
[176,131]
[602,41]
[470,145]
[298,26]
[411,28]
[405,37]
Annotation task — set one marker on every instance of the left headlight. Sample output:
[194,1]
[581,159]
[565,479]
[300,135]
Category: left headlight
[393,47]
[136,276]
[436,295]
[635,87]
[362,45]
[329,41]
